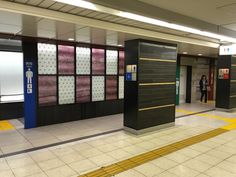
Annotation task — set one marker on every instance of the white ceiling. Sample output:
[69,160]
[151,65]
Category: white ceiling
[18,24]
[219,12]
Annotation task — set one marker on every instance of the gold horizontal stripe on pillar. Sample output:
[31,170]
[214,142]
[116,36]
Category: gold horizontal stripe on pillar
[233,65]
[232,96]
[156,107]
[232,80]
[157,59]
[157,83]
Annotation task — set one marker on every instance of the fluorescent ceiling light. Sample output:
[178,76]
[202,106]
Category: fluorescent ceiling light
[71,39]
[132,16]
[199,54]
[185,52]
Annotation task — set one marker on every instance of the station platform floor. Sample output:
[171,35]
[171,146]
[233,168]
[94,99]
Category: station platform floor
[202,143]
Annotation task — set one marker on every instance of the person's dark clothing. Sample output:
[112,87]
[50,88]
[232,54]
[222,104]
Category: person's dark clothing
[203,88]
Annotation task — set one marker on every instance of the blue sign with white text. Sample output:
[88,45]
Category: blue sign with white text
[128,76]
[29,95]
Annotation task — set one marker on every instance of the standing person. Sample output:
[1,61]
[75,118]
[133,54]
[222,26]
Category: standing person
[203,87]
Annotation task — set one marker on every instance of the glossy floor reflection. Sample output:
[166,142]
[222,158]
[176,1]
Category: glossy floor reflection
[213,157]
[19,139]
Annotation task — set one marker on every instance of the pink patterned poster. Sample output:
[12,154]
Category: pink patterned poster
[121,62]
[98,61]
[66,59]
[111,87]
[82,89]
[47,90]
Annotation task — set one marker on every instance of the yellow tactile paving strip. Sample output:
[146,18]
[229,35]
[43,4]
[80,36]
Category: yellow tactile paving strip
[231,121]
[5,125]
[127,164]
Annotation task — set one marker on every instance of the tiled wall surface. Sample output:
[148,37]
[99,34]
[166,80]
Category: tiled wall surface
[69,74]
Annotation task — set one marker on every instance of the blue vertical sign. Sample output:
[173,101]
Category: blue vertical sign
[29,94]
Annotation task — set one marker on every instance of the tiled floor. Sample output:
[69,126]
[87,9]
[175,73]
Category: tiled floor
[215,157]
[19,139]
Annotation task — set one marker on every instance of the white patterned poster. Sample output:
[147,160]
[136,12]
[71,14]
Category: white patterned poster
[112,61]
[66,89]
[47,62]
[83,60]
[98,88]
[121,87]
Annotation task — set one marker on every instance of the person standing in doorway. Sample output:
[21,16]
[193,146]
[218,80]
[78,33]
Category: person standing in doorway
[203,87]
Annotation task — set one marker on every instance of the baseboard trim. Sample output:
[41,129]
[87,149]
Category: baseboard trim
[148,130]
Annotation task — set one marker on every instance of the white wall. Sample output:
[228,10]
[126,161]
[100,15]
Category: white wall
[200,66]
[11,76]
[182,86]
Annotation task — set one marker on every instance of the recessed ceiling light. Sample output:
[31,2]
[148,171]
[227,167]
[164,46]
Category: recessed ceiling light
[71,39]
[199,54]
[120,45]
[185,52]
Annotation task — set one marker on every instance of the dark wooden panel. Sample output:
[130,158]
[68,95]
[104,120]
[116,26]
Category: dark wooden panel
[232,103]
[189,84]
[137,96]
[223,85]
[233,60]
[150,50]
[150,71]
[64,113]
[233,88]
[150,96]
[11,110]
[155,117]
[131,87]
[233,73]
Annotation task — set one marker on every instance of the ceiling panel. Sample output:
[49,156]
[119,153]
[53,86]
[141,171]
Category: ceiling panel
[76,10]
[67,8]
[110,18]
[231,26]
[21,1]
[34,2]
[85,12]
[56,6]
[63,31]
[206,10]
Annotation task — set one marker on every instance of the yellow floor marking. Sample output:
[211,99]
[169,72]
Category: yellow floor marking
[5,125]
[184,111]
[135,161]
[231,121]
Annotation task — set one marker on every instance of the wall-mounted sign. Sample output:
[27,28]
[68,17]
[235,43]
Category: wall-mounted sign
[228,50]
[131,73]
[29,77]
[30,102]
[223,73]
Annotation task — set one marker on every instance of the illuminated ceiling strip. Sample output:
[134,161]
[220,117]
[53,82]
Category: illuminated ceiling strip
[132,16]
[74,19]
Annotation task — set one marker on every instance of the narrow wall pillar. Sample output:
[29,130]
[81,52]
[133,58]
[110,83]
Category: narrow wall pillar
[30,83]
[226,83]
[150,87]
